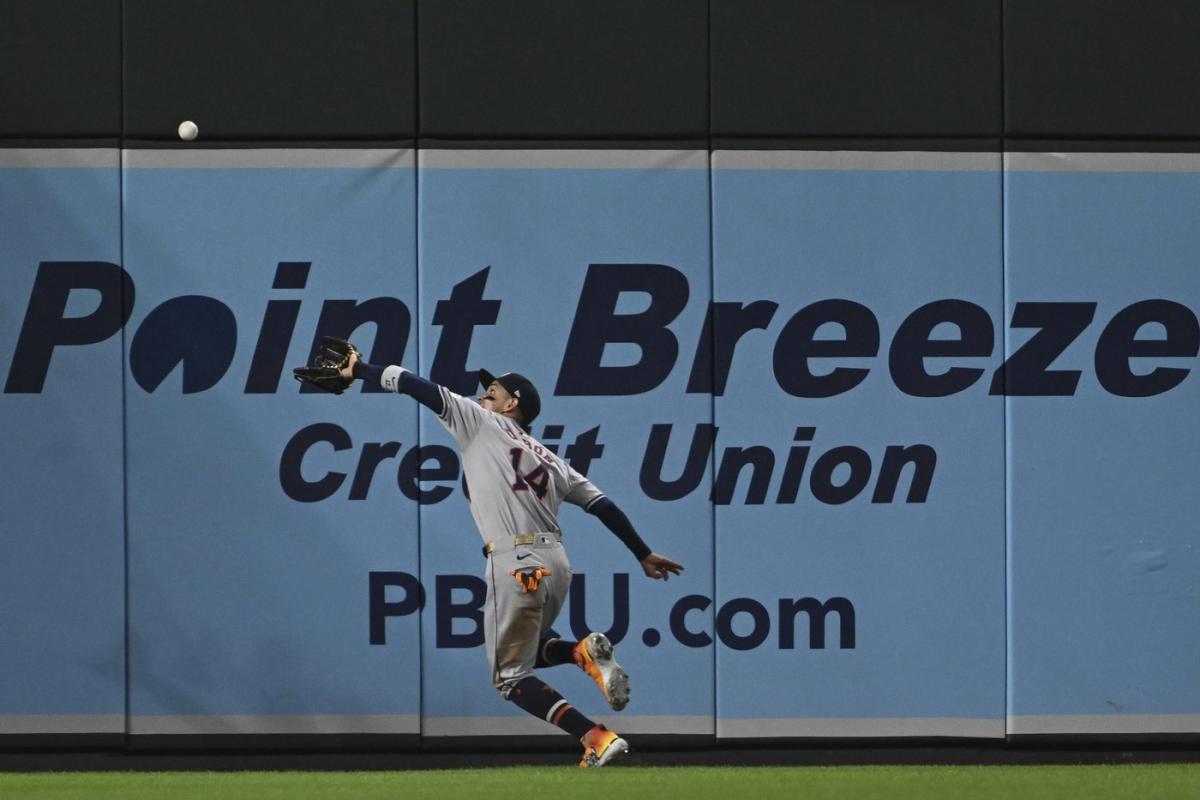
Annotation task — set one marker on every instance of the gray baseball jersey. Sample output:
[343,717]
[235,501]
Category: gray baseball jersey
[516,484]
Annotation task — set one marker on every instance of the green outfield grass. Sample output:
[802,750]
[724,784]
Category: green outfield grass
[1133,781]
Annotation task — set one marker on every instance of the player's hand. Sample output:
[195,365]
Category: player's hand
[656,566]
[348,370]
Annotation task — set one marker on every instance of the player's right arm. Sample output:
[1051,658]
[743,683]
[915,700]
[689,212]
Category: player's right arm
[587,496]
[397,379]
[654,565]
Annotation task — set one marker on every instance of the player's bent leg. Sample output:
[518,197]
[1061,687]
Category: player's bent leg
[535,697]
[594,655]
[553,651]
[601,747]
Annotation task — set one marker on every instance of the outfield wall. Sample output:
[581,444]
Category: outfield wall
[909,393]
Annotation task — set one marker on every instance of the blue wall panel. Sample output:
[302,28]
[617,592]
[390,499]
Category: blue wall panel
[1103,611]
[540,235]
[290,570]
[62,542]
[250,581]
[912,590]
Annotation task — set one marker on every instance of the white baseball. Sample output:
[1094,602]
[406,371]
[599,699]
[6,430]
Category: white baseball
[188,130]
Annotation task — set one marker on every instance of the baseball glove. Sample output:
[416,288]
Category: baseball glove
[324,371]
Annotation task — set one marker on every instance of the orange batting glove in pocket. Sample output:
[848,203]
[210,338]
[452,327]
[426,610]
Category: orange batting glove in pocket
[529,579]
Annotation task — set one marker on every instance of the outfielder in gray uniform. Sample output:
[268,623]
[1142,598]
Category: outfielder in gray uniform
[516,486]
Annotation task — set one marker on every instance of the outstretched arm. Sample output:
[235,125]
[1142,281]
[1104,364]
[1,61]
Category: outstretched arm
[654,565]
[397,379]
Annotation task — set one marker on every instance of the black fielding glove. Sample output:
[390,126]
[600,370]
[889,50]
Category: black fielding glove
[325,369]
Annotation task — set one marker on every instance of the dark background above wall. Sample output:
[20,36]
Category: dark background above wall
[382,70]
[856,68]
[549,69]
[1102,68]
[271,69]
[60,68]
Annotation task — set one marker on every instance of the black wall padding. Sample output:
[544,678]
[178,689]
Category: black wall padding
[60,68]
[545,69]
[867,68]
[574,70]
[1102,68]
[270,69]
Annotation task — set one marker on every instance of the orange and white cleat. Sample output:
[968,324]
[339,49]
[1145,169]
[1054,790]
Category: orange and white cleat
[594,655]
[601,746]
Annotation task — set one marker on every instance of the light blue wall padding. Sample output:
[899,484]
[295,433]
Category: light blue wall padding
[539,222]
[178,520]
[925,579]
[1104,604]
[243,601]
[62,598]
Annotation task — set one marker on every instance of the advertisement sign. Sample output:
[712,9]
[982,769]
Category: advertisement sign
[258,511]
[1102,449]
[62,539]
[920,426]
[859,488]
[589,273]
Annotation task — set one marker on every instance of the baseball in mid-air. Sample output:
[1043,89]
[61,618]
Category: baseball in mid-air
[188,130]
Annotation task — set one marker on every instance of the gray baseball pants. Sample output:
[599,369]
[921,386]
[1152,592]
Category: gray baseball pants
[515,620]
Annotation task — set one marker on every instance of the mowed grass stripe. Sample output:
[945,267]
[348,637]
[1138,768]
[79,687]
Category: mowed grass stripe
[1094,782]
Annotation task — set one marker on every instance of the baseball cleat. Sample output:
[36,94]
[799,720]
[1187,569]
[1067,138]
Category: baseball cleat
[601,746]
[594,655]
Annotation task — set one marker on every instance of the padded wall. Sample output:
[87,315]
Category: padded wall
[594,270]
[864,68]
[543,69]
[1100,195]
[263,561]
[270,69]
[866,532]
[60,69]
[1109,69]
[259,515]
[1101,448]
[62,546]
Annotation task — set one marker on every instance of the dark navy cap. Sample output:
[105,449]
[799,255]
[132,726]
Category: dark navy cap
[520,387]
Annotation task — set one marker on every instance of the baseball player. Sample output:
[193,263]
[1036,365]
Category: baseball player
[515,486]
